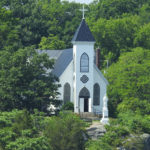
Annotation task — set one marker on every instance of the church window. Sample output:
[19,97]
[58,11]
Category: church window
[84,63]
[84,93]
[84,79]
[96,95]
[67,93]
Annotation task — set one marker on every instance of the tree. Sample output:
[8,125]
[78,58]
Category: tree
[114,36]
[129,83]
[145,13]
[9,34]
[51,43]
[116,8]
[143,36]
[24,80]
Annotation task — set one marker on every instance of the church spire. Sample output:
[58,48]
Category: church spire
[83,33]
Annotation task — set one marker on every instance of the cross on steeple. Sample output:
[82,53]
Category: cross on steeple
[83,11]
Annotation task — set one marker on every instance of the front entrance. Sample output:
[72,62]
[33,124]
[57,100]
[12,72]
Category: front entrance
[86,105]
[84,96]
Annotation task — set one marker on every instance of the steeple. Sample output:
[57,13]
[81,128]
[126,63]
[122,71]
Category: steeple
[83,33]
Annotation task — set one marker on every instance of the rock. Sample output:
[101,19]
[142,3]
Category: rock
[96,130]
[137,141]
[146,141]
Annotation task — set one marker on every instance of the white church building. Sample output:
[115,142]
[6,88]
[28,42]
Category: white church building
[82,83]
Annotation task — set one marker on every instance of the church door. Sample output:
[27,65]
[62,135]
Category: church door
[84,96]
[86,105]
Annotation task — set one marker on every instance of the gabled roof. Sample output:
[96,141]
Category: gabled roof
[62,57]
[53,54]
[62,62]
[83,33]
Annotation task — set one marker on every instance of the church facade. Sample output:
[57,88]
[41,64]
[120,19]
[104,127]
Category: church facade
[82,83]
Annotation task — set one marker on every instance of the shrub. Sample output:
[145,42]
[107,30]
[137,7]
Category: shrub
[68,106]
[97,145]
[68,129]
[135,122]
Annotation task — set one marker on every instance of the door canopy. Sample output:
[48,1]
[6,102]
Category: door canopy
[84,93]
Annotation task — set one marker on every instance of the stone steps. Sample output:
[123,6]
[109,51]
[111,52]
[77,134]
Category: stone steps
[89,116]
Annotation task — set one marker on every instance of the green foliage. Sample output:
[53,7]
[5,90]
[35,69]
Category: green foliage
[9,34]
[68,129]
[135,122]
[116,8]
[145,13]
[114,36]
[26,122]
[113,138]
[22,130]
[37,19]
[129,83]
[29,143]
[143,36]
[68,106]
[117,25]
[135,143]
[51,43]
[119,130]
[24,80]
[98,145]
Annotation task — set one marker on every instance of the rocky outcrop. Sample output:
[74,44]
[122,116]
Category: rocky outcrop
[146,138]
[96,130]
[137,142]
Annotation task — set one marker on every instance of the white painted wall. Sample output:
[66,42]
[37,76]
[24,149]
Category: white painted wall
[81,104]
[99,78]
[67,76]
[78,49]
[72,75]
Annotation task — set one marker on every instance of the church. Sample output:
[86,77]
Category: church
[82,83]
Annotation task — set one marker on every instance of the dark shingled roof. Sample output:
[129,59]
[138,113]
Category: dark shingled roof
[83,33]
[62,57]
[62,62]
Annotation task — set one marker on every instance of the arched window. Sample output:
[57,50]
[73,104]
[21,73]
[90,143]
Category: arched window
[84,63]
[67,93]
[84,93]
[96,94]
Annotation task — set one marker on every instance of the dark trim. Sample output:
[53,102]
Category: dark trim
[66,85]
[95,95]
[84,93]
[84,96]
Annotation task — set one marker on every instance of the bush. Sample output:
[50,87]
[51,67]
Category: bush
[68,106]
[39,143]
[97,145]
[135,143]
[135,122]
[118,130]
[68,129]
[21,130]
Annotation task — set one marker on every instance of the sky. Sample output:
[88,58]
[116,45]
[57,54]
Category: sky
[81,1]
